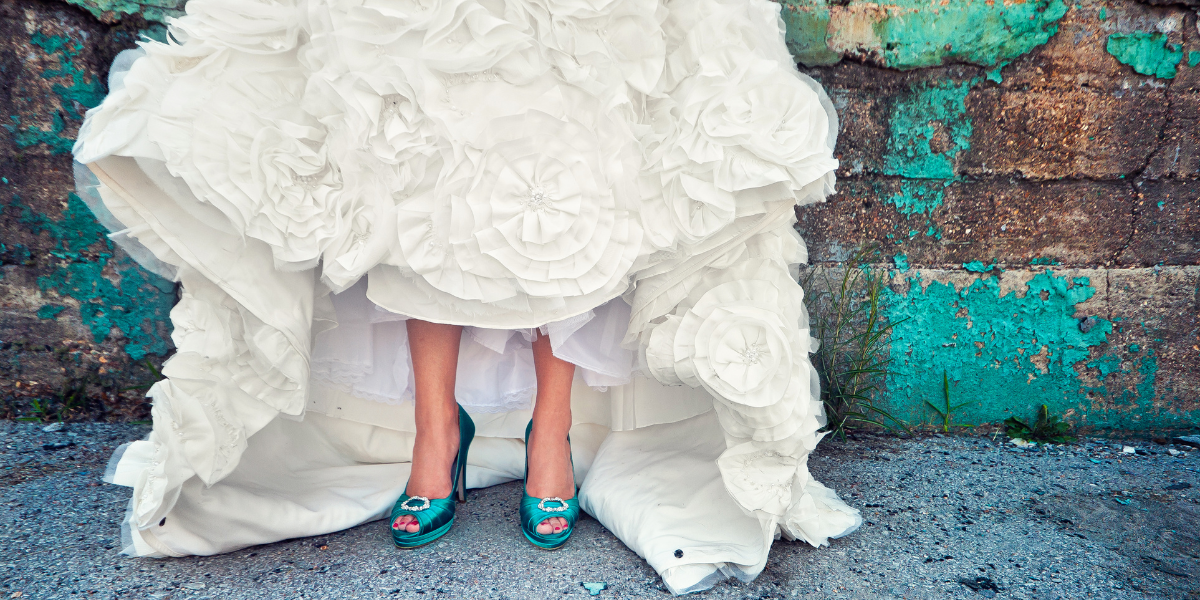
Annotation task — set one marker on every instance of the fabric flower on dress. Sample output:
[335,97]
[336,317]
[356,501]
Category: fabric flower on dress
[741,122]
[741,335]
[390,152]
[816,513]
[466,37]
[586,39]
[738,336]
[536,213]
[250,26]
[232,128]
[203,328]
[287,175]
[760,476]
[734,128]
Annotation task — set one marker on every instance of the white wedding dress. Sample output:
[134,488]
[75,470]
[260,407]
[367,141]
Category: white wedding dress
[619,173]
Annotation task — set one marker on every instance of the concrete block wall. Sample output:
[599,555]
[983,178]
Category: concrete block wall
[78,318]
[1029,170]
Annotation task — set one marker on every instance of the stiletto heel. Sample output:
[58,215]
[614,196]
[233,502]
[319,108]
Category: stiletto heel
[437,515]
[460,492]
[536,510]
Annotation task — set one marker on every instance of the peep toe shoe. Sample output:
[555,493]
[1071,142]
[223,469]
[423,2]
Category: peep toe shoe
[436,515]
[536,510]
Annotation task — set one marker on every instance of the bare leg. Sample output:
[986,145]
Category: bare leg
[435,359]
[549,453]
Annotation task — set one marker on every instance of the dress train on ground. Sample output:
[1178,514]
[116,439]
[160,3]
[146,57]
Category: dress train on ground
[622,174]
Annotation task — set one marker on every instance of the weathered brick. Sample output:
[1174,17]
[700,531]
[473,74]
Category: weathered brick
[941,166]
[114,11]
[1147,372]
[865,97]
[1167,226]
[55,59]
[1178,148]
[1056,132]
[1069,222]
[1011,341]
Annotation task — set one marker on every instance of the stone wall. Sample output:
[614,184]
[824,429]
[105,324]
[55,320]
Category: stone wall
[1032,173]
[81,323]
[1029,172]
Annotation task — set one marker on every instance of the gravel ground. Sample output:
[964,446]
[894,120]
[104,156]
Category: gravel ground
[1081,521]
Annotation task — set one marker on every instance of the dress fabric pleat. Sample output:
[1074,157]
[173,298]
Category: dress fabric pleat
[618,175]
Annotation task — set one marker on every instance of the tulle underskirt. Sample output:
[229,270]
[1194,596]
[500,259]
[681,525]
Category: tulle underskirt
[620,175]
[367,355]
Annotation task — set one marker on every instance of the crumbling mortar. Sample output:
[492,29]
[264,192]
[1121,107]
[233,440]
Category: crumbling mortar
[1137,177]
[1181,6]
[1134,213]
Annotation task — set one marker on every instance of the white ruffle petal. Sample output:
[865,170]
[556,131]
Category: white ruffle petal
[619,173]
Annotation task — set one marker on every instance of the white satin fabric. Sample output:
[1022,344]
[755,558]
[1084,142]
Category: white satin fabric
[619,173]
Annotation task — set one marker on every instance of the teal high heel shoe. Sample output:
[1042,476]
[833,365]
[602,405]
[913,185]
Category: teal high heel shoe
[435,516]
[536,510]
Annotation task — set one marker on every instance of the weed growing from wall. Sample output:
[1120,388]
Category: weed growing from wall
[945,410]
[1046,429]
[851,335]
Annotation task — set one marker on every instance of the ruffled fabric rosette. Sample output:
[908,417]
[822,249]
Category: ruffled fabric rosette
[314,172]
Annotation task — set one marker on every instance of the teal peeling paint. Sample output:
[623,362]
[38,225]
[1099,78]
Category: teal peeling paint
[1148,369]
[33,136]
[151,10]
[978,267]
[807,25]
[928,127]
[1106,365]
[50,311]
[1147,53]
[76,90]
[923,34]
[1193,59]
[138,305]
[1131,396]
[991,343]
[994,75]
[901,261]
[908,34]
[918,197]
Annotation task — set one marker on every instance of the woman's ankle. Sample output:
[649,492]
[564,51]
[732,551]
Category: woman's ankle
[551,422]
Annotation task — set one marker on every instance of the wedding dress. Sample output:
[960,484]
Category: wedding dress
[621,174]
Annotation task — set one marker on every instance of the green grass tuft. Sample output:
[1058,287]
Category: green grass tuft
[1046,429]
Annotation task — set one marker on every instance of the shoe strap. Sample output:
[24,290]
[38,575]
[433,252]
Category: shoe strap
[438,512]
[532,515]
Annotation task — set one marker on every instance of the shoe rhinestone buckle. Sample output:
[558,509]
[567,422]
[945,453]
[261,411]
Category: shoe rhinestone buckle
[420,508]
[542,505]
